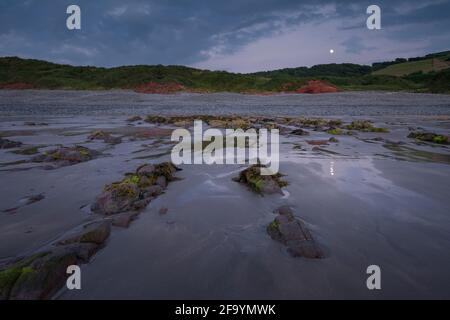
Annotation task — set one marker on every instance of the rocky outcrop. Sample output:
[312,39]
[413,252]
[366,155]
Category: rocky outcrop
[292,232]
[262,184]
[136,190]
[65,156]
[317,86]
[365,126]
[106,137]
[429,137]
[160,88]
[41,275]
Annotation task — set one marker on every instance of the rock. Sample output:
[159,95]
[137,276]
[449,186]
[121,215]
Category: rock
[300,132]
[263,184]
[292,232]
[317,142]
[27,151]
[163,210]
[161,181]
[136,190]
[105,136]
[285,211]
[333,139]
[317,86]
[83,250]
[152,191]
[8,144]
[365,126]
[146,170]
[134,119]
[66,155]
[34,198]
[43,276]
[123,220]
[95,232]
[118,197]
[429,137]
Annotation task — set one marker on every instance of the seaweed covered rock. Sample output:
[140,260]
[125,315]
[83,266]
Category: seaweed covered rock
[65,156]
[292,232]
[135,190]
[429,137]
[262,184]
[105,136]
[41,275]
[37,277]
[365,126]
[9,144]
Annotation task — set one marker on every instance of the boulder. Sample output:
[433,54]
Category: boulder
[292,232]
[262,184]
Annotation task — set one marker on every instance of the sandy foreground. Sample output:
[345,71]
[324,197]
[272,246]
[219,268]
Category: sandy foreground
[366,201]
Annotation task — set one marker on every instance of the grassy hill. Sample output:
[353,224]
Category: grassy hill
[415,74]
[406,68]
[402,67]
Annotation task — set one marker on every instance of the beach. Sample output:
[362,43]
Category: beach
[368,198]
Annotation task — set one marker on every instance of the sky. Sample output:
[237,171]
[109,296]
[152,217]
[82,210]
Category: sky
[233,35]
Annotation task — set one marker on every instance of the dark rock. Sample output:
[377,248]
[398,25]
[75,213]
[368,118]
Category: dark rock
[263,184]
[429,137]
[146,170]
[136,190]
[95,232]
[317,142]
[300,132]
[8,144]
[66,155]
[161,181]
[134,119]
[123,220]
[292,232]
[105,136]
[43,276]
[116,198]
[333,139]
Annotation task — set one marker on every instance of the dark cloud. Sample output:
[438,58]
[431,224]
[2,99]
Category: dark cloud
[216,34]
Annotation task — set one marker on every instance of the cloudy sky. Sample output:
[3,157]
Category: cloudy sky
[232,35]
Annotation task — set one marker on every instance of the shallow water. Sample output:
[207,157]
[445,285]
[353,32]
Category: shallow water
[365,202]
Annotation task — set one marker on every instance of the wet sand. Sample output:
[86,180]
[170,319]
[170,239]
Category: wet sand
[364,201]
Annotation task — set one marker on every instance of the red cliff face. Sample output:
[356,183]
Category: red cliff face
[159,88]
[317,86]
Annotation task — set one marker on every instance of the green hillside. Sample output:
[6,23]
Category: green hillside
[418,74]
[406,68]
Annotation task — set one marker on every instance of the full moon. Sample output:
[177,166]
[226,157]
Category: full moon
[331,51]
